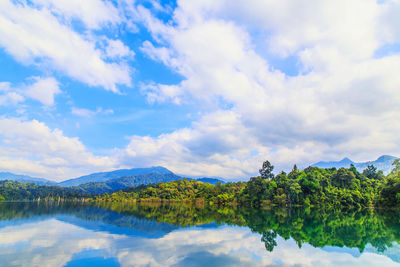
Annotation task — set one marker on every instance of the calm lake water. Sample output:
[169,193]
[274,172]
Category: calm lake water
[51,234]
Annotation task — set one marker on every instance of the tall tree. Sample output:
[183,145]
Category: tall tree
[266,170]
[396,169]
[372,173]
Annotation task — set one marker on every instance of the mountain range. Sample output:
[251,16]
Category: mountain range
[116,184]
[104,182]
[383,163]
[24,179]
[105,176]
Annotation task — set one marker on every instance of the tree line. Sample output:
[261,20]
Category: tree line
[12,190]
[311,186]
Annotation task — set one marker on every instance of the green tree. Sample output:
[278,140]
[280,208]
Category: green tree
[344,178]
[396,169]
[266,170]
[255,190]
[294,173]
[372,173]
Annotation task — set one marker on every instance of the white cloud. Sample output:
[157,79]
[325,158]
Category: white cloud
[43,90]
[38,88]
[93,13]
[35,36]
[8,96]
[83,112]
[30,147]
[213,146]
[117,49]
[11,98]
[342,102]
[285,27]
[162,93]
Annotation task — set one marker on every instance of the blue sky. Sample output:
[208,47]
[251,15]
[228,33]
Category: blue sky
[207,88]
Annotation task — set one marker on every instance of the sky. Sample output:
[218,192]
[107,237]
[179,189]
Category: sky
[203,88]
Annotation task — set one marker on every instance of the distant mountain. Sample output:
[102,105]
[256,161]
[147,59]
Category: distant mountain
[135,180]
[105,182]
[383,163]
[105,176]
[24,179]
[127,181]
[213,181]
[344,163]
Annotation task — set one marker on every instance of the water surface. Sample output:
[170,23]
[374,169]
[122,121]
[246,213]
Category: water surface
[72,234]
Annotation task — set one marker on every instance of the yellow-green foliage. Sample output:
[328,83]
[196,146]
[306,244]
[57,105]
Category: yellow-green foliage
[181,190]
[309,187]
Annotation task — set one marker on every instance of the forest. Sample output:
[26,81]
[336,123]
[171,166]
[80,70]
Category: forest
[11,190]
[313,186]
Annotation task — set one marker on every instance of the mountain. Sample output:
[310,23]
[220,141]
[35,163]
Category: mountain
[383,163]
[213,181]
[105,182]
[135,180]
[105,176]
[344,163]
[24,179]
[127,181]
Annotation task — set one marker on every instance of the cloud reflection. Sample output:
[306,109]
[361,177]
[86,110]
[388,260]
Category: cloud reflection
[55,243]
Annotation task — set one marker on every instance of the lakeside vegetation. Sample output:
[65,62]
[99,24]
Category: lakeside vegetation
[16,191]
[313,186]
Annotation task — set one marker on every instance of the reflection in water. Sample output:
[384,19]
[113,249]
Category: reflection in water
[71,234]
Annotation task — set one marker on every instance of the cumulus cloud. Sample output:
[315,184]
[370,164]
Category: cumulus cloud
[342,100]
[341,103]
[117,49]
[211,146]
[35,36]
[93,13]
[8,96]
[31,147]
[43,90]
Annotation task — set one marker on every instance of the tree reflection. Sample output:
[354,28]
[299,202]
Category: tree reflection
[268,237]
[317,227]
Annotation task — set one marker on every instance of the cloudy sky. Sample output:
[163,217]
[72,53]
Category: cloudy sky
[211,87]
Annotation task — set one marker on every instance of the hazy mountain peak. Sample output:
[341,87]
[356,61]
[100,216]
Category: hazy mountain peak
[24,178]
[383,163]
[385,158]
[346,160]
[105,176]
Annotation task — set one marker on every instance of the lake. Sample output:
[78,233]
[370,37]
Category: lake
[73,234]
